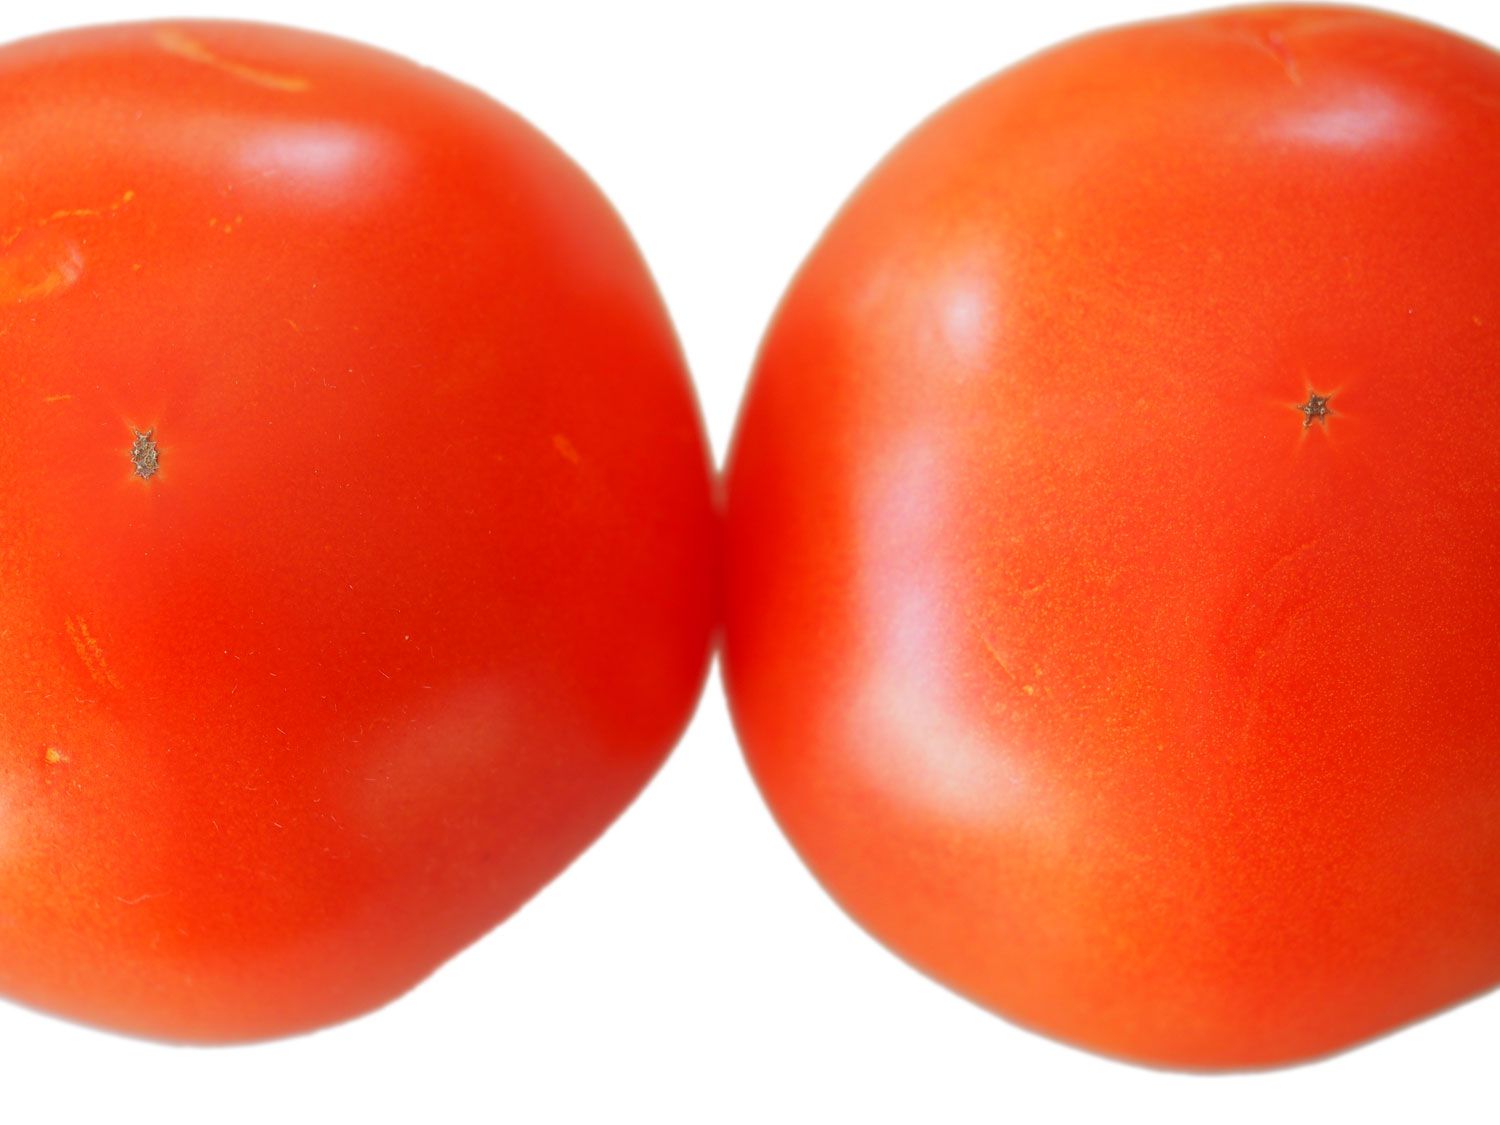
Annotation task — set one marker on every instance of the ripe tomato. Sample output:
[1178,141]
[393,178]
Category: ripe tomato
[356,535]
[1114,533]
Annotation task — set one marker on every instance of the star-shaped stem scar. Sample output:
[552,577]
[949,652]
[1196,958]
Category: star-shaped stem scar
[1315,409]
[143,454]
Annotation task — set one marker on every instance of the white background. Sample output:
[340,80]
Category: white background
[687,968]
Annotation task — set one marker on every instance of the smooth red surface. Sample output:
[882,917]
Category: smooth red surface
[422,592]
[1078,669]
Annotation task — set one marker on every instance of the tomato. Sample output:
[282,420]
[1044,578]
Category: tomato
[357,541]
[1113,539]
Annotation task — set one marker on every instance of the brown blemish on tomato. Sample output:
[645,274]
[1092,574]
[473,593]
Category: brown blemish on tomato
[565,449]
[144,454]
[184,46]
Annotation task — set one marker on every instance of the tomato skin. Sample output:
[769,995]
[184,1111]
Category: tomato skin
[1082,668]
[421,591]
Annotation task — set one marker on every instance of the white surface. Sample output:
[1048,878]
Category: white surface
[687,969]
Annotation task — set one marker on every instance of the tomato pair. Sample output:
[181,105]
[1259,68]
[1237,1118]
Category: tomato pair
[1111,533]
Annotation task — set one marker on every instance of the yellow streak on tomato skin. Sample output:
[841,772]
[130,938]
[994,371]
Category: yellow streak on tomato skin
[89,212]
[126,197]
[41,272]
[46,263]
[90,652]
[186,47]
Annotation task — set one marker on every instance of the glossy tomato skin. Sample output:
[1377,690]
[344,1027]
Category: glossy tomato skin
[420,592]
[1084,668]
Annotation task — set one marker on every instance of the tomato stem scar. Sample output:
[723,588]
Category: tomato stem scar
[1315,409]
[143,454]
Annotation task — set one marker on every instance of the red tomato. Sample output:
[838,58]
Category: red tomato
[1114,536]
[356,537]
